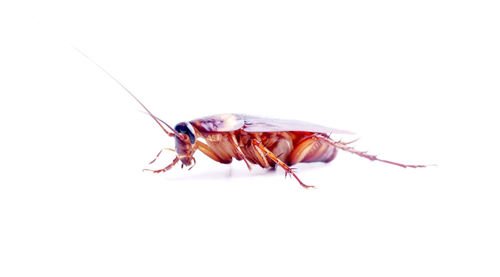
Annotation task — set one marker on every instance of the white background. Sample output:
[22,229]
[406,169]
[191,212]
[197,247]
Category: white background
[415,80]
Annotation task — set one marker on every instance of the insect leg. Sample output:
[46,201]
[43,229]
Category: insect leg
[205,149]
[343,146]
[270,155]
[158,155]
[238,150]
[168,167]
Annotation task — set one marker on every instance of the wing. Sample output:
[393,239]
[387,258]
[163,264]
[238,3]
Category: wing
[218,123]
[255,124]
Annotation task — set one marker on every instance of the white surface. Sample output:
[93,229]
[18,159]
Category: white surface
[415,80]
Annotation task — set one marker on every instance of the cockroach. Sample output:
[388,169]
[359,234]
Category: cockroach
[254,140]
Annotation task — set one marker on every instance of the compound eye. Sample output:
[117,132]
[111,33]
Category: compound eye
[184,128]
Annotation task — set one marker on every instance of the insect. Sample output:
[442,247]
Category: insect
[266,142]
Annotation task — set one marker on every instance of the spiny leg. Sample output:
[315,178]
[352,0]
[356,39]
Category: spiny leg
[158,155]
[238,150]
[343,146]
[168,167]
[270,155]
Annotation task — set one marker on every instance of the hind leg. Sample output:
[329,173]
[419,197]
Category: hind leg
[270,155]
[344,146]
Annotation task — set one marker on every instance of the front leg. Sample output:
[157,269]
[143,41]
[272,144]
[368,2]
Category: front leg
[159,153]
[205,149]
[270,155]
[168,167]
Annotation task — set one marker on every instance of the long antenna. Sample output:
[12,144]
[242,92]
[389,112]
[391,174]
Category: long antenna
[175,133]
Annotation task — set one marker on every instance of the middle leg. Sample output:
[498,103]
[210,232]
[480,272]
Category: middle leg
[236,146]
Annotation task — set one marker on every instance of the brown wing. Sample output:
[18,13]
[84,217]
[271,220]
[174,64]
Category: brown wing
[218,123]
[255,124]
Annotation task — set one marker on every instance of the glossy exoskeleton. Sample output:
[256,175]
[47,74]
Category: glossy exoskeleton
[254,140]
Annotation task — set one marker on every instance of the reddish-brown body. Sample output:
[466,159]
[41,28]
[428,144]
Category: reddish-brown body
[255,140]
[262,141]
[291,147]
[231,136]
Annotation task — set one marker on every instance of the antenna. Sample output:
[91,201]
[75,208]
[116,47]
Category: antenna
[174,132]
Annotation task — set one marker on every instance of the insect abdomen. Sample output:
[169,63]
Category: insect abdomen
[310,149]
